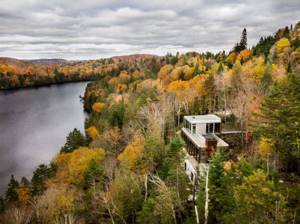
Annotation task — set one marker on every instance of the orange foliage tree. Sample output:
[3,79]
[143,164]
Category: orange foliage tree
[98,107]
[92,132]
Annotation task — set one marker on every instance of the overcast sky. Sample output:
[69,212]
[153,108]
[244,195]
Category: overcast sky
[89,29]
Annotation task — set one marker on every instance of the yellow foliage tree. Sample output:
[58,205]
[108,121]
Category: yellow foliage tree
[149,84]
[265,147]
[57,203]
[71,166]
[259,69]
[197,84]
[282,43]
[92,132]
[184,97]
[113,82]
[23,194]
[122,87]
[176,73]
[98,107]
[255,69]
[231,58]
[164,71]
[179,87]
[188,72]
[133,152]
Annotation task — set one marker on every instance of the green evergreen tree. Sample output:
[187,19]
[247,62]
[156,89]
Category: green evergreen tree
[116,115]
[40,175]
[11,192]
[243,42]
[146,216]
[264,45]
[25,182]
[75,139]
[280,115]
[173,156]
[93,176]
[215,180]
[286,32]
[2,205]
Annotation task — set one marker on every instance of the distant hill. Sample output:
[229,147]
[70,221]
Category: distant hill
[46,61]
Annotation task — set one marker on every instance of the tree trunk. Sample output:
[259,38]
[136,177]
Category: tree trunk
[206,196]
[146,187]
[197,215]
[177,183]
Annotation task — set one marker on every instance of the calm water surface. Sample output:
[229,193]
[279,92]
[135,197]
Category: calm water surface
[34,124]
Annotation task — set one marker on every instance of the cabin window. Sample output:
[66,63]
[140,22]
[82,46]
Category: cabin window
[187,125]
[217,127]
[194,128]
[210,128]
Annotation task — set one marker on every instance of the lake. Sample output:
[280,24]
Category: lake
[34,124]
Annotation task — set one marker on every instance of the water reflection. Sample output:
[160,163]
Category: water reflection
[34,124]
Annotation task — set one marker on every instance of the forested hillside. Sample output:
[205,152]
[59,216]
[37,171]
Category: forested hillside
[128,165]
[16,73]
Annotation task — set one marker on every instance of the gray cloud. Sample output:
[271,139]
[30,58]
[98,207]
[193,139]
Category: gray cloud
[87,29]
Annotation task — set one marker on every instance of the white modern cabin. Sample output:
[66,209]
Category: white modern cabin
[200,134]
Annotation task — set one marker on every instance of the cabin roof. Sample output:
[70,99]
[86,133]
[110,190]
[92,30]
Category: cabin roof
[208,118]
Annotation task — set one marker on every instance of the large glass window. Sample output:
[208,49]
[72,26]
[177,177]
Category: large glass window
[217,127]
[187,125]
[194,128]
[210,128]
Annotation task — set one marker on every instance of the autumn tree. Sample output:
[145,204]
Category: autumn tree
[71,167]
[124,197]
[265,150]
[56,204]
[183,98]
[111,140]
[132,154]
[152,121]
[93,133]
[161,207]
[23,191]
[98,107]
[17,215]
[282,43]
